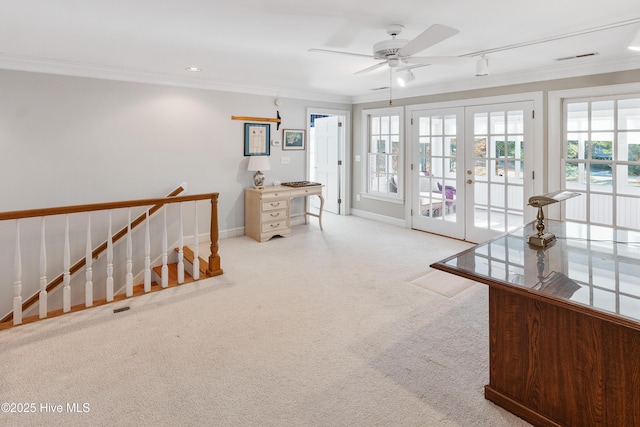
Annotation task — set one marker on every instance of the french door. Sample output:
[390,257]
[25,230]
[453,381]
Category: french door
[472,171]
[438,189]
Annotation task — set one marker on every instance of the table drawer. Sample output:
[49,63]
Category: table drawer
[270,205]
[306,191]
[272,215]
[275,194]
[274,226]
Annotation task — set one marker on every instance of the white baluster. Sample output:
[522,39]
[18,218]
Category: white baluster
[129,277]
[180,251]
[17,284]
[147,256]
[165,267]
[109,262]
[196,257]
[66,278]
[43,271]
[88,286]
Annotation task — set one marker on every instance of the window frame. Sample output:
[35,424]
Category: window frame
[556,128]
[586,159]
[367,137]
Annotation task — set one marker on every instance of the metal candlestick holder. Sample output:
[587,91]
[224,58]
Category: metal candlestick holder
[542,238]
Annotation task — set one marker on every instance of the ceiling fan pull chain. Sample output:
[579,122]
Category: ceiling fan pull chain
[390,87]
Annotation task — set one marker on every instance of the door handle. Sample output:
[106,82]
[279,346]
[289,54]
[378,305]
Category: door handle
[469,181]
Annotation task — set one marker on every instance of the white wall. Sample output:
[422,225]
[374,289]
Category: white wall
[69,140]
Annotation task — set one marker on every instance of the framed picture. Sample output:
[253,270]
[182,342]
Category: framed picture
[293,139]
[256,139]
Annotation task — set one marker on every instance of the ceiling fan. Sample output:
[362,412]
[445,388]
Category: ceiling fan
[399,52]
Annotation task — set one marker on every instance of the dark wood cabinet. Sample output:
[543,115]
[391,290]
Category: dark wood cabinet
[554,359]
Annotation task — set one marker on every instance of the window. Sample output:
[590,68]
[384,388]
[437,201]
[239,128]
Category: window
[383,145]
[601,153]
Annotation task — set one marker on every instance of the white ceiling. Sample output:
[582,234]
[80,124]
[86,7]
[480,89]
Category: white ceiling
[262,46]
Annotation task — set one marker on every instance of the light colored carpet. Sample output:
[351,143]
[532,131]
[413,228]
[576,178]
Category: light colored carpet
[317,329]
[443,283]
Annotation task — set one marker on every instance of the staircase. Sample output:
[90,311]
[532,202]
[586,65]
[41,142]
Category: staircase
[137,289]
[189,268]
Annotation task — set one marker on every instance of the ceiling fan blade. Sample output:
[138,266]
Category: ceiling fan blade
[438,60]
[341,53]
[373,67]
[432,35]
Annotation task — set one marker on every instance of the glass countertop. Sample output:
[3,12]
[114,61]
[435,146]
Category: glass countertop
[594,266]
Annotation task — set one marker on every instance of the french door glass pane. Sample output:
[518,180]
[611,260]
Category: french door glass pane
[496,122]
[497,195]
[437,125]
[481,170]
[515,122]
[480,146]
[425,126]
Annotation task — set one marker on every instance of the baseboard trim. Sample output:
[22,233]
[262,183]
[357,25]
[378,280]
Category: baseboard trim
[380,218]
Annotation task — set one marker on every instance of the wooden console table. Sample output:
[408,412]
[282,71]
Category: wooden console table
[564,323]
[267,211]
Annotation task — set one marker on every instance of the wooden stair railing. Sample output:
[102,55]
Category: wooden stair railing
[137,290]
[52,285]
[212,266]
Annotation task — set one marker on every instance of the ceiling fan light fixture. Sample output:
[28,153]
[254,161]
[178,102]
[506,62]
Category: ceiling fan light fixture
[405,78]
[482,66]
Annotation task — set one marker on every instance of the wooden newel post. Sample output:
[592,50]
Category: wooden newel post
[214,259]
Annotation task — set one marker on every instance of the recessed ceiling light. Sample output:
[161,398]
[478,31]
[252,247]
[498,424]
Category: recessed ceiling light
[194,69]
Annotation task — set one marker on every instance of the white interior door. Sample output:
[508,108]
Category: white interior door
[325,156]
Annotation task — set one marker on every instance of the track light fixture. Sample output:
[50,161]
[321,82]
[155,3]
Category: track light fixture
[482,66]
[405,78]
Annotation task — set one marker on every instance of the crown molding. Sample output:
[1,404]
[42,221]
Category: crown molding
[576,68]
[106,72]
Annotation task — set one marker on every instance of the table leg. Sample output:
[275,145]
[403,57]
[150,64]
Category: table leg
[320,213]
